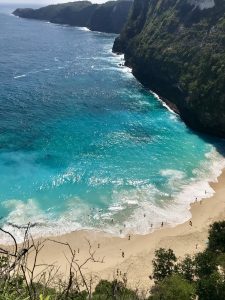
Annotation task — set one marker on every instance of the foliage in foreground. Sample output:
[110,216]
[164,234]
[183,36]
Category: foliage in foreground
[202,275]
[172,288]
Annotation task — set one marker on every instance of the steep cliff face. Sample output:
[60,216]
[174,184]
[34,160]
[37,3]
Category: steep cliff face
[177,48]
[108,17]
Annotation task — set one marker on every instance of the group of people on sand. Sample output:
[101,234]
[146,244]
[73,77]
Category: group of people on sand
[119,273]
[129,236]
[121,231]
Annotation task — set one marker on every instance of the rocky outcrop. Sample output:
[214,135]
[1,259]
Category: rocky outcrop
[177,49]
[108,17]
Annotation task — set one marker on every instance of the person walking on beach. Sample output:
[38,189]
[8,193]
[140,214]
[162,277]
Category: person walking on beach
[129,237]
[123,254]
[190,223]
[162,224]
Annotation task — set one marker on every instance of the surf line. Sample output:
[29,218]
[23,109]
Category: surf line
[31,72]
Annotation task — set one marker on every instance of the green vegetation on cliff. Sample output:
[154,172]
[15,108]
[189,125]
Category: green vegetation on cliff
[177,48]
[108,17]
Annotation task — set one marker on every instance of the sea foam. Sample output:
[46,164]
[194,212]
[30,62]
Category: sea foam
[98,151]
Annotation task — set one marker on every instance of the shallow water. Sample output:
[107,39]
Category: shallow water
[82,142]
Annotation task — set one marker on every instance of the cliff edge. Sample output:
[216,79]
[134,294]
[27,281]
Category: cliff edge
[177,49]
[108,17]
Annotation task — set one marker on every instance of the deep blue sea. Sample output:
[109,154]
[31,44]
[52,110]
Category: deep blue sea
[82,142]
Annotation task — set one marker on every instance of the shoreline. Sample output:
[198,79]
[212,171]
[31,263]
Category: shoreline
[139,250]
[199,189]
[158,98]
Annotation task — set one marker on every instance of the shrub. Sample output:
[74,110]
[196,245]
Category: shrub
[173,288]
[163,264]
[205,264]
[114,290]
[217,237]
[211,287]
[187,268]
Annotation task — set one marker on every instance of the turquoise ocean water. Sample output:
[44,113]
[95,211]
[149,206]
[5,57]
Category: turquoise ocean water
[82,142]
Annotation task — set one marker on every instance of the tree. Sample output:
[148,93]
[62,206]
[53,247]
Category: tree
[173,288]
[163,264]
[211,287]
[187,268]
[205,264]
[115,290]
[220,260]
[217,237]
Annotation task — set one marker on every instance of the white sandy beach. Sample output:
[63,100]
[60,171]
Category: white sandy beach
[139,250]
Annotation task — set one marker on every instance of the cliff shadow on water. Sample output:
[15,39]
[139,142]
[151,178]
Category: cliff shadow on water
[177,49]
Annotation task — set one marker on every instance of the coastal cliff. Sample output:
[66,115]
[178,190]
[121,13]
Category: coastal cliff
[177,49]
[108,17]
